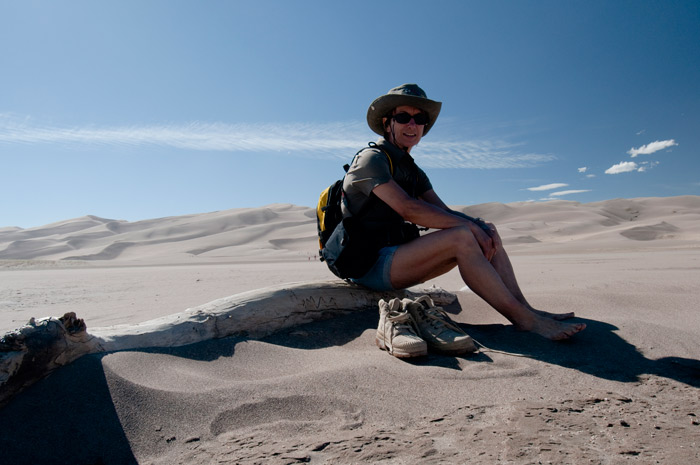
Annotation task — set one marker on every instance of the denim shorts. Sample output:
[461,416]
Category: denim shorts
[378,277]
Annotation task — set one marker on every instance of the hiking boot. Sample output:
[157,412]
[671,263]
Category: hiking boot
[437,329]
[396,332]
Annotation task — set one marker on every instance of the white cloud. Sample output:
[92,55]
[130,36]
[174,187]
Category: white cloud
[547,187]
[192,136]
[622,167]
[652,147]
[335,140]
[492,154]
[628,166]
[583,169]
[647,165]
[560,193]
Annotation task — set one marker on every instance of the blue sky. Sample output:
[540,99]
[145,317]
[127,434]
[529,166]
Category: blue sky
[144,109]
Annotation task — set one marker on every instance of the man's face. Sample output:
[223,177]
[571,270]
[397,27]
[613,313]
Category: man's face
[404,135]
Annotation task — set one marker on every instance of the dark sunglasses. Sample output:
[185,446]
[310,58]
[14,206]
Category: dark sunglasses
[421,119]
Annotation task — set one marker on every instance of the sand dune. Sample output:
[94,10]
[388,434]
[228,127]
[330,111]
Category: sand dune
[287,232]
[625,390]
[208,236]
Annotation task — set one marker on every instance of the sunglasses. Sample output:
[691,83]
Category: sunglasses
[421,119]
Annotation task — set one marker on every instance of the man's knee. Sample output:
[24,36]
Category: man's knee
[462,239]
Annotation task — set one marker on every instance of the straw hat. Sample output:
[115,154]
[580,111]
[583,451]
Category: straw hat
[406,94]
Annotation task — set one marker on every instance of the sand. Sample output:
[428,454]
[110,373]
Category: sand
[623,391]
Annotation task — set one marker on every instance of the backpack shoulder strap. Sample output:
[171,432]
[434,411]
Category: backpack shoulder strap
[346,167]
[373,145]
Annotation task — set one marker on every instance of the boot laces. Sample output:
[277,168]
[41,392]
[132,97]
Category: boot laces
[401,323]
[438,319]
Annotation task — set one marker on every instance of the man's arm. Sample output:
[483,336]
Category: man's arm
[432,198]
[418,211]
[431,212]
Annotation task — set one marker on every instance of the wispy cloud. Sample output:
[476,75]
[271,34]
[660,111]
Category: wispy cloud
[647,165]
[547,187]
[557,195]
[192,136]
[570,192]
[652,147]
[317,140]
[486,154]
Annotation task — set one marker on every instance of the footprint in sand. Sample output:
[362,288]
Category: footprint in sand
[298,409]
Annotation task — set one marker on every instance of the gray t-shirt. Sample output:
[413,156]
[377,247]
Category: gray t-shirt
[372,168]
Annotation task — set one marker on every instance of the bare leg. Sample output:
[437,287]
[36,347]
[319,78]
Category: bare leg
[436,253]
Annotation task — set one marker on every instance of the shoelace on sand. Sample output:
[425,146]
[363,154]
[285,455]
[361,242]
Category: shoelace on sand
[496,351]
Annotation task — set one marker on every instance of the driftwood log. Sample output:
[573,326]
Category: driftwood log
[33,351]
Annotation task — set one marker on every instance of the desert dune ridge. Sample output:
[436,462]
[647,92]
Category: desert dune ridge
[284,232]
[625,390]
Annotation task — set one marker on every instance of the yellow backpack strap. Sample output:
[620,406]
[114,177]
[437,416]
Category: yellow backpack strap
[391,164]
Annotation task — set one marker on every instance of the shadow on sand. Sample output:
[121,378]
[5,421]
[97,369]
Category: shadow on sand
[67,418]
[70,416]
[597,351]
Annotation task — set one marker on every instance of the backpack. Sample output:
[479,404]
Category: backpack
[328,209]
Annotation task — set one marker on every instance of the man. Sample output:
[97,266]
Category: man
[386,171]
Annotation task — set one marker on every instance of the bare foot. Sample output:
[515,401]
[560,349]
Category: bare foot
[554,330]
[553,316]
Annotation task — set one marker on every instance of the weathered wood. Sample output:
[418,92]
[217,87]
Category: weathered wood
[36,349]
[39,347]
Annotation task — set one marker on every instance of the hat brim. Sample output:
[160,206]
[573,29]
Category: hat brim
[383,105]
